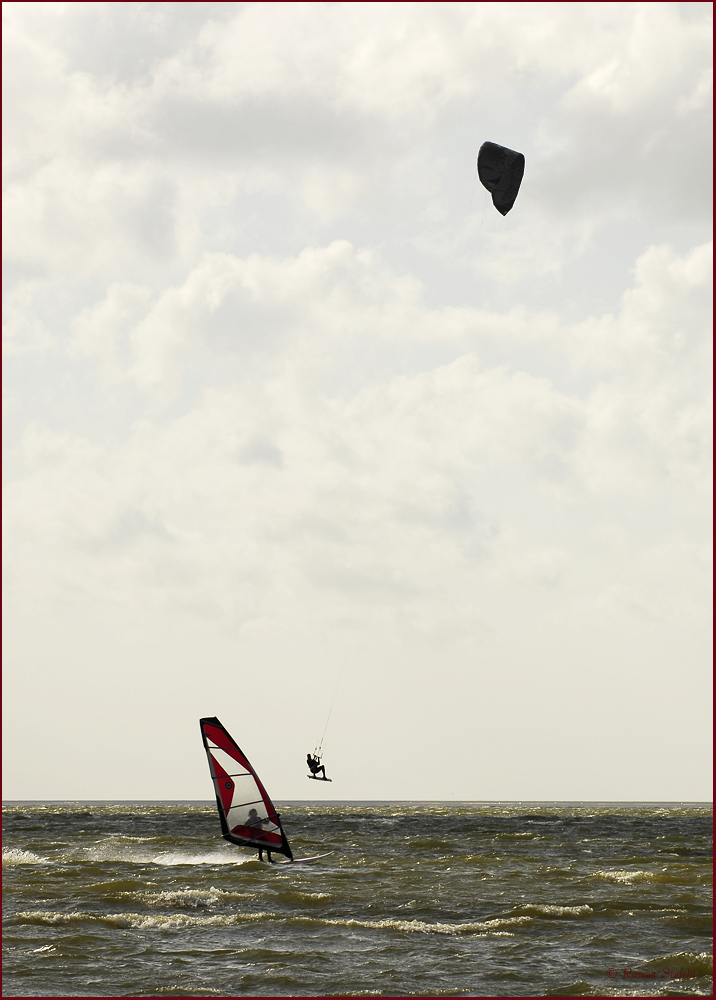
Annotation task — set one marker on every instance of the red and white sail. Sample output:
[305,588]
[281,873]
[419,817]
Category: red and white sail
[248,816]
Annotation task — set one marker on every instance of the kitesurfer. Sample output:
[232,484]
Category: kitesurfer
[314,765]
[256,821]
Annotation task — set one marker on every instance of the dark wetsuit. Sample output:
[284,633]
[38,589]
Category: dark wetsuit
[315,765]
[257,822]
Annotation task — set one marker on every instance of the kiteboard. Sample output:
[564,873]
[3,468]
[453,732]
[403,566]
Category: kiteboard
[247,815]
[298,861]
[316,778]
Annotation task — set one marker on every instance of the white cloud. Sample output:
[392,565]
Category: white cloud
[339,109]
[380,491]
[96,328]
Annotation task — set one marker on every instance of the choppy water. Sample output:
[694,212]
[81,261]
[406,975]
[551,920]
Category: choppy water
[121,899]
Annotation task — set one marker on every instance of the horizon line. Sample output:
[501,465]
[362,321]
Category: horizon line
[484,802]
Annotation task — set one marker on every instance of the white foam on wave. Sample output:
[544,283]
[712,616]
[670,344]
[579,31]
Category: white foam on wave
[625,877]
[558,912]
[121,838]
[15,856]
[500,927]
[176,858]
[188,898]
[139,921]
[129,854]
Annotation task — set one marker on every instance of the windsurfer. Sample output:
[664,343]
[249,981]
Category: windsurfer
[314,764]
[256,821]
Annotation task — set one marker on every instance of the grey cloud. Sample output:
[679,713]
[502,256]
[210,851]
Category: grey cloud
[262,450]
[128,527]
[655,161]
[126,42]
[260,128]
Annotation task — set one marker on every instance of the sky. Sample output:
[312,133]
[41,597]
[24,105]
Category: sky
[301,433]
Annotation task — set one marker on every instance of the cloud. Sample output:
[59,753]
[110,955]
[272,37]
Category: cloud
[96,328]
[341,112]
[272,482]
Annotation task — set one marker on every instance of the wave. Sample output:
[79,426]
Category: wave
[128,854]
[107,808]
[501,926]
[556,912]
[293,897]
[121,838]
[198,899]
[193,899]
[176,858]
[15,856]
[52,918]
[629,877]
[702,963]
[135,855]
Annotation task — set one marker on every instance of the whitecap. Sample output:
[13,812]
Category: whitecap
[16,856]
[499,925]
[187,898]
[137,920]
[563,912]
[626,877]
[175,858]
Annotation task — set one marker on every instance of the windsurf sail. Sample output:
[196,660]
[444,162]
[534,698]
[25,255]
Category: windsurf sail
[248,816]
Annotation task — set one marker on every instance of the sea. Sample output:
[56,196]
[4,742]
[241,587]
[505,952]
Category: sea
[416,899]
